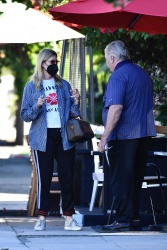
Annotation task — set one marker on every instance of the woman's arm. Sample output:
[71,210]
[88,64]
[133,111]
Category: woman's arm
[29,108]
[75,102]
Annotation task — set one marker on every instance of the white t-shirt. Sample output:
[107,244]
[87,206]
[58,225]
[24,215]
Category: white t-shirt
[52,112]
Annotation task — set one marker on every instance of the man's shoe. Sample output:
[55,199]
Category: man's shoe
[117,226]
[137,226]
[40,225]
[72,225]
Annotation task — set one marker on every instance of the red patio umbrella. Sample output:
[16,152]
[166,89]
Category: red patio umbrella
[138,15]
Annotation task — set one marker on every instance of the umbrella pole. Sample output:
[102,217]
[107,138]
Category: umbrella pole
[134,21]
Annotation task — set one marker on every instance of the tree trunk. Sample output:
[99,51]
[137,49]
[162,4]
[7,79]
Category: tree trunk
[19,125]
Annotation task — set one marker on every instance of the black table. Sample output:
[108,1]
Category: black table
[107,195]
[88,168]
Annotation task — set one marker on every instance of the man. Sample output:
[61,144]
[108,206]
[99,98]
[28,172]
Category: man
[129,123]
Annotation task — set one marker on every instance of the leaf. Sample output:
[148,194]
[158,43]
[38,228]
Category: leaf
[146,36]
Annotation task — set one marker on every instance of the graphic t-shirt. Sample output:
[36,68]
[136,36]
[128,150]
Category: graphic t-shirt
[52,112]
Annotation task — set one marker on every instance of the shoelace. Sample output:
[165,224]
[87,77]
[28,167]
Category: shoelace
[39,222]
[75,222]
[115,223]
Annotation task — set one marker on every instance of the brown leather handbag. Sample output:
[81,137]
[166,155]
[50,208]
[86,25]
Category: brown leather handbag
[78,130]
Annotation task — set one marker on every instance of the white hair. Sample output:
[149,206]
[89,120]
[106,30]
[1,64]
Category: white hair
[117,49]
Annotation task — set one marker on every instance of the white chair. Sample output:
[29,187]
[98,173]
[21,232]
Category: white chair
[152,181]
[55,189]
[97,175]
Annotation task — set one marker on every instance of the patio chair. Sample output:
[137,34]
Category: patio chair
[97,175]
[152,181]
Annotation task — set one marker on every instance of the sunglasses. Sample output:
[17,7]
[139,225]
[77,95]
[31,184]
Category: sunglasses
[53,61]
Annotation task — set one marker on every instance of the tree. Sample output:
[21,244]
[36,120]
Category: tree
[18,61]
[149,51]
[28,3]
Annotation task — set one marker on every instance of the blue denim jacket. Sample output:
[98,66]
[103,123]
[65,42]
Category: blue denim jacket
[37,116]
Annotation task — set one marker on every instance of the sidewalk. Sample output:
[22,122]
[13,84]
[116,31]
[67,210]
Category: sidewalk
[15,177]
[16,232]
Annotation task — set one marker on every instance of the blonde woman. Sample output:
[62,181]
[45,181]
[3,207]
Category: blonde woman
[48,102]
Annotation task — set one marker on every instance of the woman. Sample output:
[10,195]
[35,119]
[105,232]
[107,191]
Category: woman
[48,102]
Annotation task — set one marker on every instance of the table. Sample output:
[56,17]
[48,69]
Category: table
[87,175]
[159,155]
[106,185]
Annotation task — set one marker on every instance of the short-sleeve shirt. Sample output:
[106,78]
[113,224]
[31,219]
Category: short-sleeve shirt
[130,86]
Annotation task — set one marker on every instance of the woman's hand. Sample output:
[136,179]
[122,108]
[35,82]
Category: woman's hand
[75,95]
[41,101]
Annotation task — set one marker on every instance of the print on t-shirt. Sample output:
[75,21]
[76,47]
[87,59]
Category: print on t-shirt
[53,117]
[52,99]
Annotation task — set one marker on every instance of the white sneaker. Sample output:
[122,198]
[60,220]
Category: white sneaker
[40,225]
[72,225]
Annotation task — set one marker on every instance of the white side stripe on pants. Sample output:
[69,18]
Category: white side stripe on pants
[35,157]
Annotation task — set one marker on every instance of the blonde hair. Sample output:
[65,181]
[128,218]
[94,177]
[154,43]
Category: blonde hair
[117,49]
[37,76]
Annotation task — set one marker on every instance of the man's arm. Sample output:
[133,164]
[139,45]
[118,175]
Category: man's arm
[113,117]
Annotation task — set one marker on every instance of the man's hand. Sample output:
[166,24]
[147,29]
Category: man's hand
[101,146]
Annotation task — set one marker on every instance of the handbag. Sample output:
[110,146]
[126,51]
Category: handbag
[78,130]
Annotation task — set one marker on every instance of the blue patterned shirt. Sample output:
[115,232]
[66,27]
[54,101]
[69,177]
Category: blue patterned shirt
[130,86]
[30,112]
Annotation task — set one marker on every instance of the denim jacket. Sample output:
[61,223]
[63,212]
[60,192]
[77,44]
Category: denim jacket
[30,112]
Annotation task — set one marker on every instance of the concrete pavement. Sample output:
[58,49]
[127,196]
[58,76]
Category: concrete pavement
[15,177]
[16,232]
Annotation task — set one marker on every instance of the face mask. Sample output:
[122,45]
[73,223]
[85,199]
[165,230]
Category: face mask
[52,69]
